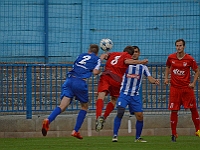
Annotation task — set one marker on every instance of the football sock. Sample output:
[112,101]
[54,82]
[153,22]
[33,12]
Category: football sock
[173,121]
[99,107]
[117,123]
[138,127]
[54,114]
[195,118]
[109,109]
[80,119]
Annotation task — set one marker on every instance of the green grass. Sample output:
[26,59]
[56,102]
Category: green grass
[100,143]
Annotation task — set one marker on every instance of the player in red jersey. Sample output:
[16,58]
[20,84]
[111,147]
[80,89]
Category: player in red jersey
[110,81]
[182,89]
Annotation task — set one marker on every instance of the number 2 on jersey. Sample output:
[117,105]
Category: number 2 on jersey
[85,58]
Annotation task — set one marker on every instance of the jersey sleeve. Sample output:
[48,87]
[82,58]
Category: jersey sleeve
[98,64]
[194,65]
[146,71]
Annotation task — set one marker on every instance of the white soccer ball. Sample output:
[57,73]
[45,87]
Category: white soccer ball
[106,44]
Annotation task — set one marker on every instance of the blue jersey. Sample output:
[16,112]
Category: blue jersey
[84,65]
[74,85]
[132,79]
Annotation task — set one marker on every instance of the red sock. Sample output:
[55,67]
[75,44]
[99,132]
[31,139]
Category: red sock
[195,118]
[109,109]
[173,121]
[99,107]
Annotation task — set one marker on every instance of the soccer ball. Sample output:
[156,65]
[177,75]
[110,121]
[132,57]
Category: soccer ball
[106,44]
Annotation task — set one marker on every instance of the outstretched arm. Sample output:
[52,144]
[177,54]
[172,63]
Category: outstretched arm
[132,61]
[153,80]
[104,56]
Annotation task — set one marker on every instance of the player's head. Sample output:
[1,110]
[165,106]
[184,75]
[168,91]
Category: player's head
[94,48]
[180,45]
[129,49]
[136,53]
[180,40]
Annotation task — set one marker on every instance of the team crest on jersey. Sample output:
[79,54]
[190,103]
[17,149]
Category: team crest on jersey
[184,64]
[173,62]
[133,76]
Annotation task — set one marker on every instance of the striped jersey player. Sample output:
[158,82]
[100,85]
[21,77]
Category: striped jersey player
[129,96]
[132,79]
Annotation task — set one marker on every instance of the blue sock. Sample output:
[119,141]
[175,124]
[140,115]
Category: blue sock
[80,119]
[54,114]
[138,127]
[117,123]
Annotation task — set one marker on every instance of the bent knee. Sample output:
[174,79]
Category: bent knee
[120,112]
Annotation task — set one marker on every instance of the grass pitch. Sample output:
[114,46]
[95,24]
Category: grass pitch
[100,143]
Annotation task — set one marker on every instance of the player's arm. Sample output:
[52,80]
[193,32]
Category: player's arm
[96,70]
[132,61]
[104,56]
[167,71]
[196,75]
[153,80]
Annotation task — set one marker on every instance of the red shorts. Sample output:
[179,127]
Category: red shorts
[108,85]
[184,97]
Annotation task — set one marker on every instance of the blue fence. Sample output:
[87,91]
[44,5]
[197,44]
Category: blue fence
[33,88]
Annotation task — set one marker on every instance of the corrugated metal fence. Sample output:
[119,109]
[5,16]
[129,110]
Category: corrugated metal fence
[32,88]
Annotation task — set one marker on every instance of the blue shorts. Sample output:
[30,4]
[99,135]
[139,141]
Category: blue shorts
[134,102]
[75,87]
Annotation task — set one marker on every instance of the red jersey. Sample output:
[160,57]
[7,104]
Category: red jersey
[180,69]
[115,65]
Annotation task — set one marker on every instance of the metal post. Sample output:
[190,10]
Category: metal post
[46,50]
[28,92]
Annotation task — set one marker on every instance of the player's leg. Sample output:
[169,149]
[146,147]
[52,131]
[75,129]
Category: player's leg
[110,107]
[136,107]
[80,89]
[63,105]
[103,86]
[139,126]
[173,123]
[117,122]
[79,121]
[114,93]
[100,104]
[174,106]
[189,101]
[65,97]
[122,102]
[195,119]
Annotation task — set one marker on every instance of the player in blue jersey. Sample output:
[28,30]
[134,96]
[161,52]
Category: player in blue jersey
[75,86]
[129,95]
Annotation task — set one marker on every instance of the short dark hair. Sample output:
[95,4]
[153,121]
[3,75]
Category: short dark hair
[136,47]
[129,49]
[94,48]
[180,40]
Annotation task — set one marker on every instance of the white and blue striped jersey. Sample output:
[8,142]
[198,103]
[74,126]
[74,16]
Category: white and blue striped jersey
[132,79]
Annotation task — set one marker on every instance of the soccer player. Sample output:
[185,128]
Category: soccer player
[75,86]
[110,81]
[129,95]
[182,89]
